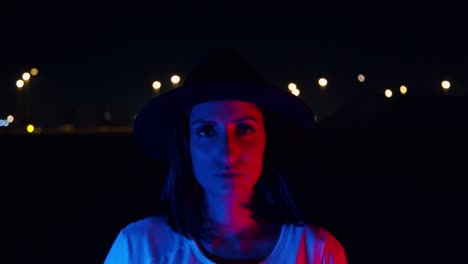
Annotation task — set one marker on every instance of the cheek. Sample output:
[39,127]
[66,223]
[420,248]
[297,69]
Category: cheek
[255,153]
[199,155]
[195,153]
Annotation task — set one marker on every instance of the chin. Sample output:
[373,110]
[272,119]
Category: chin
[233,191]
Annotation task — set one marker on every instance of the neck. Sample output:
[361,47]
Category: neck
[229,216]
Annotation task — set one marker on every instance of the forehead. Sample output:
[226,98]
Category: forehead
[225,109]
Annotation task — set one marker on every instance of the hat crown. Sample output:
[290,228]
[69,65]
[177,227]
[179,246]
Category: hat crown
[224,65]
[222,75]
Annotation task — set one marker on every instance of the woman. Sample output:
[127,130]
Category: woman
[225,198]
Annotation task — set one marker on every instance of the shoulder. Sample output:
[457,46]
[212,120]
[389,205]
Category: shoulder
[320,239]
[148,238]
[147,228]
[150,223]
[310,231]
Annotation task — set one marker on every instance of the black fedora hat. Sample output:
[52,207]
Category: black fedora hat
[222,75]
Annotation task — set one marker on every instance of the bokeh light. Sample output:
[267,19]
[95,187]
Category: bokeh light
[30,128]
[34,71]
[296,92]
[156,85]
[403,89]
[323,82]
[361,77]
[26,76]
[175,79]
[292,86]
[388,93]
[19,83]
[445,85]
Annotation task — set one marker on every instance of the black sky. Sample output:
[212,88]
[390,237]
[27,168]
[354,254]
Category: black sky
[108,53]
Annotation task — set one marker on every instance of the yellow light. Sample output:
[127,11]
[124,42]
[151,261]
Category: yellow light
[156,85]
[292,86]
[10,118]
[445,85]
[388,93]
[30,128]
[322,82]
[361,77]
[175,79]
[403,89]
[26,76]
[19,83]
[296,92]
[34,71]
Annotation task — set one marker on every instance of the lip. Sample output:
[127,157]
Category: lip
[228,174]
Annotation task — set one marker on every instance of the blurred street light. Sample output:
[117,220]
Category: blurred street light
[388,93]
[20,84]
[361,77]
[30,128]
[445,85]
[26,76]
[292,86]
[34,71]
[403,89]
[323,82]
[156,87]
[296,92]
[175,80]
[23,96]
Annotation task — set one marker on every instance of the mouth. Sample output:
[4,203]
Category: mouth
[228,175]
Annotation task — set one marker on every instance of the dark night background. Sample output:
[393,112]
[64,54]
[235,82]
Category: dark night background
[385,175]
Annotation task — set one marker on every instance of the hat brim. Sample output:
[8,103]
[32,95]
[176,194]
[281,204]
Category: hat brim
[153,125]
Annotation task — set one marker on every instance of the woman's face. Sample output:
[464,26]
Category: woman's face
[227,144]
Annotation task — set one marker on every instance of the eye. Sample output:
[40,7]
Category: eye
[244,129]
[205,131]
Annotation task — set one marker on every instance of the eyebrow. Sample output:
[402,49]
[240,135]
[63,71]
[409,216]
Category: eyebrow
[236,120]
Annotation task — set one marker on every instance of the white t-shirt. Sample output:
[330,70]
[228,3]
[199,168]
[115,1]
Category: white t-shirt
[151,240]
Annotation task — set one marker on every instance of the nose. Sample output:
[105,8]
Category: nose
[227,151]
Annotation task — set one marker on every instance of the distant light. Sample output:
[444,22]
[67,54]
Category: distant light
[322,82]
[445,85]
[30,128]
[361,77]
[34,71]
[4,122]
[19,83]
[26,76]
[388,93]
[292,86]
[403,89]
[156,85]
[175,79]
[10,119]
